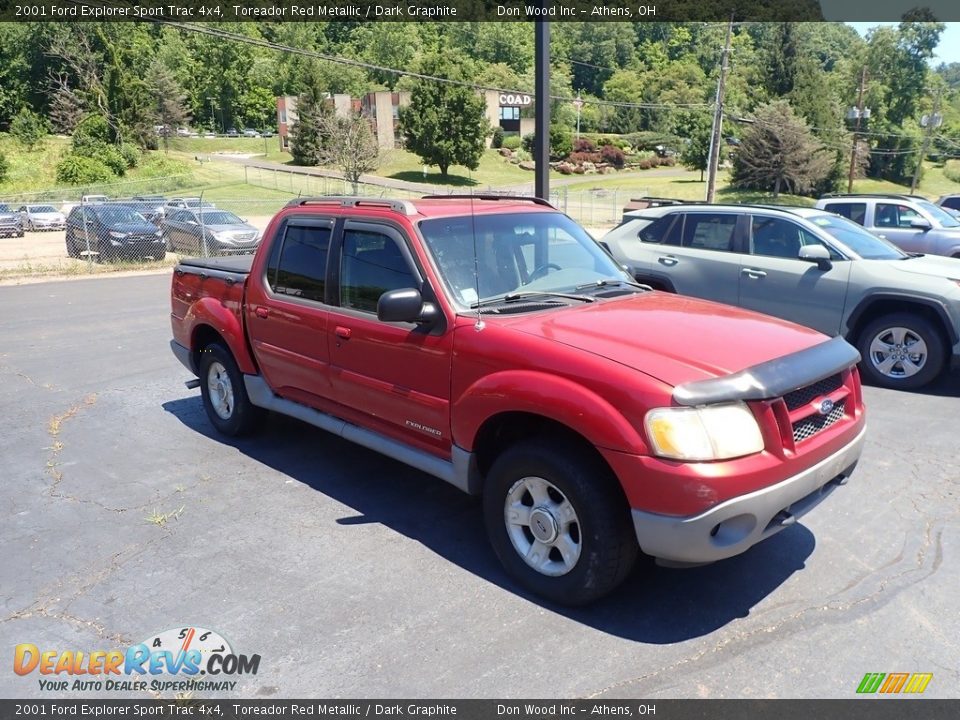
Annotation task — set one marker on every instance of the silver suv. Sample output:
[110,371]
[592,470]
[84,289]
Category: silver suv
[808,266]
[910,222]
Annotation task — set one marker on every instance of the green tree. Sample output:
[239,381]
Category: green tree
[28,128]
[445,124]
[351,146]
[169,99]
[306,134]
[4,167]
[695,128]
[778,152]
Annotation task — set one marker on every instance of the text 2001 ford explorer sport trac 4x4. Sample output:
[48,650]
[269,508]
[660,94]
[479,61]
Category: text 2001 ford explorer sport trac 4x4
[492,343]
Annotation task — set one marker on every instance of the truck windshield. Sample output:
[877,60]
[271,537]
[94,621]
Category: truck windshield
[483,257]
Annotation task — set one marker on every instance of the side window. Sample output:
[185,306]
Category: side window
[709,231]
[852,211]
[776,237]
[372,263]
[300,270]
[665,230]
[953,203]
[895,216]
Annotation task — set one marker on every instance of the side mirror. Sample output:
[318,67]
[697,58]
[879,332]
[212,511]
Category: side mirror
[817,254]
[919,223]
[405,305]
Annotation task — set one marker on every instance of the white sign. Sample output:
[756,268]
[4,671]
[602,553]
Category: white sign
[515,100]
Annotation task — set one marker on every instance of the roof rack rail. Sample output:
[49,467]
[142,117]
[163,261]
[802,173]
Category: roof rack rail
[490,196]
[902,196]
[401,206]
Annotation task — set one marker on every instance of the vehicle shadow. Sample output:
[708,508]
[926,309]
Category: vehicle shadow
[655,605]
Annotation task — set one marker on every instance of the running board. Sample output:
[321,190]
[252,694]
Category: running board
[461,472]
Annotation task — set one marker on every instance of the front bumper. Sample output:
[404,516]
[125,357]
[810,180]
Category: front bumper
[737,524]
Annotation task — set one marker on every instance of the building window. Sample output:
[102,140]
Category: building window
[509,113]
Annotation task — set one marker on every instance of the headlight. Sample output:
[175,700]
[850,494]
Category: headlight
[117,235]
[716,432]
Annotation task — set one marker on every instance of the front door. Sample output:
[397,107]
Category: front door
[892,221]
[395,376]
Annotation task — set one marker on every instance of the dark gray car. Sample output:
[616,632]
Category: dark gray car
[10,223]
[208,232]
[811,267]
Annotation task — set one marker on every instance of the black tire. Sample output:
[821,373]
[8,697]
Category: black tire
[238,417]
[602,529]
[71,249]
[897,377]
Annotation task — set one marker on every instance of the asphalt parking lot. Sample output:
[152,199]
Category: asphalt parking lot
[353,576]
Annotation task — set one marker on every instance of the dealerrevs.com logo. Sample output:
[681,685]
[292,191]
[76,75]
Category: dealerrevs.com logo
[182,659]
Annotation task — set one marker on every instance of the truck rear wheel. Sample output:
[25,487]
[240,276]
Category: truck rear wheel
[224,394]
[558,522]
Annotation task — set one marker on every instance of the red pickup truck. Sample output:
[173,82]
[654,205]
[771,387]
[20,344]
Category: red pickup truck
[492,343]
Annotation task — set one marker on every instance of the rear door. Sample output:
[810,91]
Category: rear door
[773,280]
[394,377]
[287,312]
[698,255]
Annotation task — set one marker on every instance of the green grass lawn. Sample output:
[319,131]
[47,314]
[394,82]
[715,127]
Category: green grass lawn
[492,172]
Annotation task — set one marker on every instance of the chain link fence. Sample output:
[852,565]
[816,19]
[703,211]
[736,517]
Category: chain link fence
[140,226]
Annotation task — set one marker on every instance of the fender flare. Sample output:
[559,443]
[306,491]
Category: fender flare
[210,312]
[549,396]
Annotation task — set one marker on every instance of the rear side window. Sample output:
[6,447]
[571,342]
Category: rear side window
[299,269]
[852,211]
[709,231]
[664,231]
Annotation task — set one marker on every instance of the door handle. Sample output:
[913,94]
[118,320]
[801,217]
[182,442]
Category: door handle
[343,332]
[668,260]
[262,312]
[753,273]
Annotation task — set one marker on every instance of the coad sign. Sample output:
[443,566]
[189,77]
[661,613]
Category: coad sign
[515,99]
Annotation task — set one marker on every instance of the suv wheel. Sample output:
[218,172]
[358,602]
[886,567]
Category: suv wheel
[224,395]
[901,351]
[558,522]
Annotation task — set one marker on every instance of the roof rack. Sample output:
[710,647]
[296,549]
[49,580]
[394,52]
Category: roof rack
[901,196]
[490,196]
[400,206]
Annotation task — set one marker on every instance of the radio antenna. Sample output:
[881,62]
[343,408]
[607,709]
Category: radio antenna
[476,266]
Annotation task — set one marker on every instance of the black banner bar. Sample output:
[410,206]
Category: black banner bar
[479,10]
[872,708]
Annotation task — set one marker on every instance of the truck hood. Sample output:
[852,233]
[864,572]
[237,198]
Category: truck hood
[672,338]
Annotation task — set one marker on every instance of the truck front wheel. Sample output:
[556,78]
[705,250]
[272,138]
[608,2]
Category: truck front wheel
[224,394]
[558,522]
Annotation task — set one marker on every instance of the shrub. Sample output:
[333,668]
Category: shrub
[527,142]
[951,170]
[561,143]
[91,133]
[583,145]
[578,158]
[613,155]
[497,140]
[4,167]
[156,165]
[81,170]
[511,142]
[110,156]
[131,154]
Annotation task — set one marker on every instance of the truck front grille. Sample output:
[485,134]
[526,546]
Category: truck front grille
[811,425]
[799,398]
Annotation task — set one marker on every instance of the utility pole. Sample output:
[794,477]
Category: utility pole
[929,124]
[856,129]
[716,133]
[541,149]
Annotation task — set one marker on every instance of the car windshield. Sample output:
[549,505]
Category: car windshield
[121,216]
[42,209]
[4,208]
[939,214]
[854,237]
[218,217]
[484,257]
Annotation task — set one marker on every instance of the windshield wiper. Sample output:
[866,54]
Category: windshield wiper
[611,281]
[910,256]
[513,297]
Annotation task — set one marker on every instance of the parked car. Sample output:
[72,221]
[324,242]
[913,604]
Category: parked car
[492,343]
[42,217]
[250,132]
[150,206]
[950,203]
[94,199]
[232,132]
[187,203]
[267,133]
[11,224]
[208,232]
[110,232]
[810,267]
[910,222]
[183,132]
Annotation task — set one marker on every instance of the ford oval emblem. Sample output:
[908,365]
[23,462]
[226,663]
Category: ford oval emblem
[826,407]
